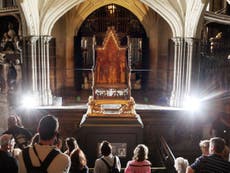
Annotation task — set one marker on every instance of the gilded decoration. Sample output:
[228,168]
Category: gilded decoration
[111,82]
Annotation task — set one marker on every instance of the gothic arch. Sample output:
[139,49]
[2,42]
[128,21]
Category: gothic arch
[139,11]
[41,16]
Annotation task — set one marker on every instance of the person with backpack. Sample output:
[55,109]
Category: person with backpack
[108,163]
[139,163]
[44,157]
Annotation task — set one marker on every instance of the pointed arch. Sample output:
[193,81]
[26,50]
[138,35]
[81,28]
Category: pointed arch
[182,16]
[166,10]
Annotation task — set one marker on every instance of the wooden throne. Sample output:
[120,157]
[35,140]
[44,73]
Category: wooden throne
[111,88]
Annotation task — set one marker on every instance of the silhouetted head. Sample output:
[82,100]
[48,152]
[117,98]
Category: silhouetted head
[78,159]
[48,127]
[216,145]
[71,143]
[106,148]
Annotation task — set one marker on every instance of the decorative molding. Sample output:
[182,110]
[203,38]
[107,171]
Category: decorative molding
[9,11]
[217,18]
[193,15]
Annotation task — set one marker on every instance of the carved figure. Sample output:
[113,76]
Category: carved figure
[94,108]
[128,108]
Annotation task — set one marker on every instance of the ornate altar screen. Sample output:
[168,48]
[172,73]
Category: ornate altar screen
[111,95]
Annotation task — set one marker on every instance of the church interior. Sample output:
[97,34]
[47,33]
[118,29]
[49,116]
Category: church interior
[130,72]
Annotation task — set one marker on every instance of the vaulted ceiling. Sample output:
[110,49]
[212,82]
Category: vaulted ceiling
[183,16]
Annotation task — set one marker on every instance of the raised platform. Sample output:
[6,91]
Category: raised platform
[112,112]
[111,120]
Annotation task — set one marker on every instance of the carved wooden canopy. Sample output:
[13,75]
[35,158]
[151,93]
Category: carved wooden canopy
[111,73]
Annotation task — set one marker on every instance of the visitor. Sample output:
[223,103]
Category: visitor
[78,161]
[21,135]
[214,162]
[139,163]
[71,144]
[34,156]
[107,159]
[7,162]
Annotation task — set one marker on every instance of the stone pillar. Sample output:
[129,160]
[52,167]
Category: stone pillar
[45,91]
[192,66]
[36,68]
[176,90]
[5,111]
[185,62]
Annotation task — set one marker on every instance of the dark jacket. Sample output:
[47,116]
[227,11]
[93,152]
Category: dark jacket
[7,163]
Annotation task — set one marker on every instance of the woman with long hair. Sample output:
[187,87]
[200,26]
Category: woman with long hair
[139,163]
[78,161]
[71,144]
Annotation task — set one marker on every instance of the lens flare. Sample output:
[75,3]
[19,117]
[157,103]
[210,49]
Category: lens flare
[192,104]
[28,101]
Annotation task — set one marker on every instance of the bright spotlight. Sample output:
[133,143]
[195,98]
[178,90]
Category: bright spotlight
[29,101]
[192,104]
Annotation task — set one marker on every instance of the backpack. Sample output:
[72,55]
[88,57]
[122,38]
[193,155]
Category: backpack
[44,165]
[112,169]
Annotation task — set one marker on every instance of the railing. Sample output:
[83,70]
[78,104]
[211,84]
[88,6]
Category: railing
[167,155]
[153,170]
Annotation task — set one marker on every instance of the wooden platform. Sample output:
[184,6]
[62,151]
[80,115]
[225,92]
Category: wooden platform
[111,120]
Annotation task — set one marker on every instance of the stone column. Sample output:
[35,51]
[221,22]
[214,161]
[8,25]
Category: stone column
[185,51]
[36,68]
[45,91]
[176,90]
[5,111]
[192,66]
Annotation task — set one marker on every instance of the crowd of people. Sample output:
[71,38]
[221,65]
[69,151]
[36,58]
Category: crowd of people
[215,152]
[215,158]
[23,152]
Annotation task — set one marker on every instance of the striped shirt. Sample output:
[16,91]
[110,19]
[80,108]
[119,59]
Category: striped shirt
[211,164]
